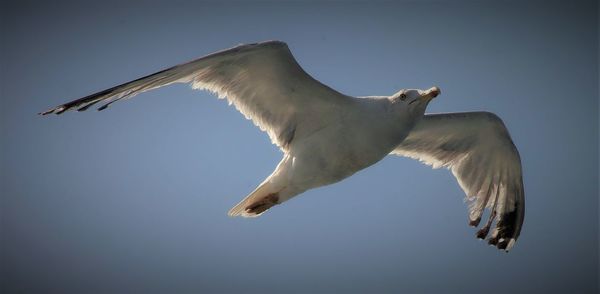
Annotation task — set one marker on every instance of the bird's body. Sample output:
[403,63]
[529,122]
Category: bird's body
[327,136]
[354,142]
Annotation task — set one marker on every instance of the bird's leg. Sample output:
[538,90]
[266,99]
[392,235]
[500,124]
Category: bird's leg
[263,204]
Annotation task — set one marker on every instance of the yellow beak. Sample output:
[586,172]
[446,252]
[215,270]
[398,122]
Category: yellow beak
[431,93]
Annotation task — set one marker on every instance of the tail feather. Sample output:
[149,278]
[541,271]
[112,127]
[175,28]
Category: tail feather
[257,202]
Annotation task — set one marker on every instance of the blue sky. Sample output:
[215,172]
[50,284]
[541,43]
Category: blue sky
[134,199]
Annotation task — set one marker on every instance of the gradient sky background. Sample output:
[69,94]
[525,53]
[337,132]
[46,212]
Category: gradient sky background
[134,199]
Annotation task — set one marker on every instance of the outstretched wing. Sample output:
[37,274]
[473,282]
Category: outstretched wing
[478,150]
[262,80]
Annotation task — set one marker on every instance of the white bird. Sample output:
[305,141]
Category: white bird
[327,136]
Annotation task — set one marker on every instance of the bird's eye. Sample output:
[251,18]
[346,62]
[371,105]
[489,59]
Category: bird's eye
[402,96]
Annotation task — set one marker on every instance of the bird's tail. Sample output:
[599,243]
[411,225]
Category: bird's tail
[257,202]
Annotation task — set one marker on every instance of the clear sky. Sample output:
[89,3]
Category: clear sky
[134,198]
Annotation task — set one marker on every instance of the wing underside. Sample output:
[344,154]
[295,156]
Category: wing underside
[263,81]
[478,150]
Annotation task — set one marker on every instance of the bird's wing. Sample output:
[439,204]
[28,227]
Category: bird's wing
[262,80]
[478,150]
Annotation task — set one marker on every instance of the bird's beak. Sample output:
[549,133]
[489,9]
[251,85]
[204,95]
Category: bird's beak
[431,93]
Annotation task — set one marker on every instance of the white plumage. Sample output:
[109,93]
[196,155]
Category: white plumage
[327,136]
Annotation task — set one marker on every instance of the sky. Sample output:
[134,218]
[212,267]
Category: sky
[135,198]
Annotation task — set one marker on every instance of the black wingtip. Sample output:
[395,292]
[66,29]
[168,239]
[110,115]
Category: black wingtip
[502,243]
[47,111]
[475,223]
[483,232]
[56,110]
[505,234]
[508,224]
[85,107]
[493,241]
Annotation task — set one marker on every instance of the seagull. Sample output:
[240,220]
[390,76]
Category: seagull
[326,136]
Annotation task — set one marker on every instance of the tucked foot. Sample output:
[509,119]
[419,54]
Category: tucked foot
[263,204]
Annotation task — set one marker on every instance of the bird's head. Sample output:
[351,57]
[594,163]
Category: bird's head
[414,101]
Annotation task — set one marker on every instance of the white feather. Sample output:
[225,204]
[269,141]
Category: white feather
[478,150]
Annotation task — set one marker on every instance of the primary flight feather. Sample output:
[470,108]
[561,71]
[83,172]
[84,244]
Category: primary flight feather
[327,136]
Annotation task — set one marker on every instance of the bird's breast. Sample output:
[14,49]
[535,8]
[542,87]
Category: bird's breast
[340,150]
